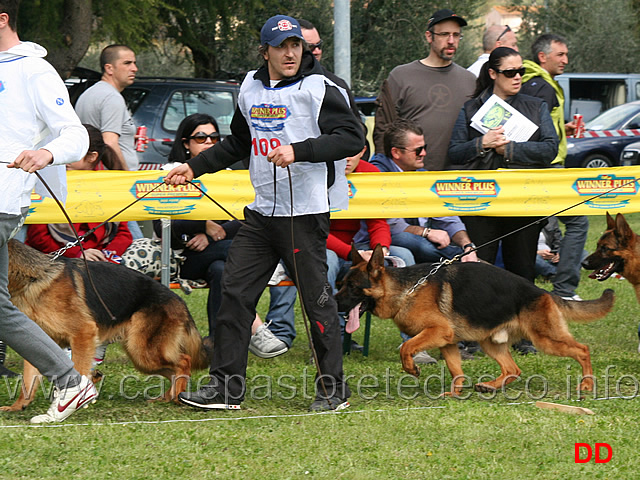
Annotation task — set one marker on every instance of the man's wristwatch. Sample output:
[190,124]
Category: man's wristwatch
[469,245]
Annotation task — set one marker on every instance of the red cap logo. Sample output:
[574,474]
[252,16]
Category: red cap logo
[284,25]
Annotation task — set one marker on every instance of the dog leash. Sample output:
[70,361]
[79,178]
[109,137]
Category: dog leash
[540,220]
[80,239]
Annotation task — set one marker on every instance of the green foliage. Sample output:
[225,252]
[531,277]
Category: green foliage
[602,36]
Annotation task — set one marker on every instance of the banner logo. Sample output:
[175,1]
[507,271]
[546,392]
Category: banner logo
[612,186]
[169,197]
[468,192]
[268,118]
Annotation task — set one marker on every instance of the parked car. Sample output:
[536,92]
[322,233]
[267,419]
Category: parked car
[160,104]
[593,152]
[630,155]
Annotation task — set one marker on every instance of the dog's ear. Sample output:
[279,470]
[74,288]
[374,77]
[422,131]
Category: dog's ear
[356,258]
[623,230]
[611,224]
[376,262]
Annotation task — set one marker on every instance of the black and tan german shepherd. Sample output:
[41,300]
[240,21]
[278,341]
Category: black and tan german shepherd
[617,251]
[469,301]
[152,323]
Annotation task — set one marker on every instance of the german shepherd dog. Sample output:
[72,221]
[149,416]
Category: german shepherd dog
[153,323]
[617,251]
[469,301]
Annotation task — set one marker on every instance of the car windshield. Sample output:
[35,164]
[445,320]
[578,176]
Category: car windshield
[613,117]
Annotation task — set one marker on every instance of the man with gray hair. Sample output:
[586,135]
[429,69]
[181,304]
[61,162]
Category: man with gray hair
[494,36]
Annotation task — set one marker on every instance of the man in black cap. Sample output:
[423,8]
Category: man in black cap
[289,115]
[430,91]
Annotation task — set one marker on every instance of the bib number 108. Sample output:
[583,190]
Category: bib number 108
[262,146]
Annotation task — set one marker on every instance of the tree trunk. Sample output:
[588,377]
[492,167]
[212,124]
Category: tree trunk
[76,34]
[205,64]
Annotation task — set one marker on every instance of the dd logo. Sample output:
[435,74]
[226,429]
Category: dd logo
[589,452]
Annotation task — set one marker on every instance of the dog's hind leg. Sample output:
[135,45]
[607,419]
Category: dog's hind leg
[180,379]
[566,346]
[509,371]
[451,355]
[83,346]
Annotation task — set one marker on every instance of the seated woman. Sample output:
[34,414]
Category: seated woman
[204,243]
[110,240]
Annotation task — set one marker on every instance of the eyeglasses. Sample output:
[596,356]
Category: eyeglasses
[313,46]
[201,137]
[508,29]
[417,150]
[513,72]
[443,35]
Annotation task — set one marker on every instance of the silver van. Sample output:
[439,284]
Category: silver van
[590,94]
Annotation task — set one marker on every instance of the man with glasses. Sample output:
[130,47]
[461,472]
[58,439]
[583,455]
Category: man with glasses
[550,55]
[494,36]
[428,239]
[429,91]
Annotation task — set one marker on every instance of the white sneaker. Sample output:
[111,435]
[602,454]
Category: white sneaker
[67,401]
[576,298]
[278,276]
[265,344]
[424,358]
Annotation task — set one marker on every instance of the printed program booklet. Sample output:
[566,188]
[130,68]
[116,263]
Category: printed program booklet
[496,112]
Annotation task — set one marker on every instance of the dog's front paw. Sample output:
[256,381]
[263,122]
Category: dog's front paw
[412,369]
[484,388]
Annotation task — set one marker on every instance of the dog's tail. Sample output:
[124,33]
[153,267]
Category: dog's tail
[586,310]
[196,347]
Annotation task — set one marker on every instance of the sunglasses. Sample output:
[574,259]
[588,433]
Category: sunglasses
[508,29]
[512,72]
[417,150]
[313,46]
[201,137]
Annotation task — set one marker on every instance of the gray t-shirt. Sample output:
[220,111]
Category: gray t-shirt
[104,107]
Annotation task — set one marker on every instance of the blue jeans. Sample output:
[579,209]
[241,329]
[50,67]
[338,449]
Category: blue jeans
[422,249]
[281,315]
[567,275]
[544,267]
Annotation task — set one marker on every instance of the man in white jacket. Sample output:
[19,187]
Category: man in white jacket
[39,128]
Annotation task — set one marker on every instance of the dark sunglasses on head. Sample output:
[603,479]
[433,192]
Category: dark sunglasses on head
[201,137]
[508,29]
[417,150]
[513,72]
[313,46]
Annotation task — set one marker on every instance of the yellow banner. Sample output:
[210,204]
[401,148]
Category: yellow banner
[96,196]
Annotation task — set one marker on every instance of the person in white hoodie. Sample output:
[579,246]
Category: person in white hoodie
[39,128]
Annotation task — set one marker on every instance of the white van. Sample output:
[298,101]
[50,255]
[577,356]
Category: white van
[590,94]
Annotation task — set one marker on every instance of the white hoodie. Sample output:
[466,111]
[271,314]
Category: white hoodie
[35,112]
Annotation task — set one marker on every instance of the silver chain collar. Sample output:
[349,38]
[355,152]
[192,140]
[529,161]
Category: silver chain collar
[436,267]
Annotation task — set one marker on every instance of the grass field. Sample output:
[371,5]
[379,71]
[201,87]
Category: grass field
[396,428]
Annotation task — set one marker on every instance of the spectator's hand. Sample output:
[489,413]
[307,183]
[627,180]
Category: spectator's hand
[282,156]
[365,254]
[494,138]
[439,237]
[198,243]
[179,175]
[32,160]
[94,255]
[215,231]
[546,254]
[500,150]
[570,128]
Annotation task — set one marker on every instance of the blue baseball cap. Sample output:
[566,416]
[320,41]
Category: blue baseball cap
[277,29]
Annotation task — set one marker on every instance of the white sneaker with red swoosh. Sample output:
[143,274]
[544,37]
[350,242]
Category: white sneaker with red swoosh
[67,401]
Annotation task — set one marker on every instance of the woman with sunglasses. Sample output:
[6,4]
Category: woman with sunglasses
[204,243]
[470,149]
